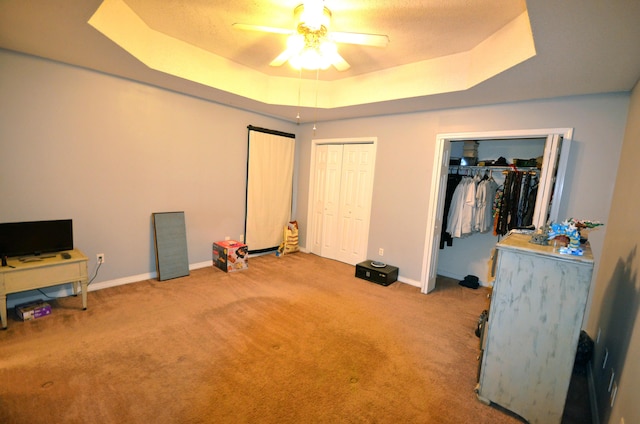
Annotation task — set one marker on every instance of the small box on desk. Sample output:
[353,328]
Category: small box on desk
[230,255]
[380,275]
[33,310]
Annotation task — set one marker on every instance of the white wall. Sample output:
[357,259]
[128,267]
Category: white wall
[615,310]
[108,152]
[406,145]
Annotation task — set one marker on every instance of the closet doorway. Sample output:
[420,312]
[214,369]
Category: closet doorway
[340,193]
[551,181]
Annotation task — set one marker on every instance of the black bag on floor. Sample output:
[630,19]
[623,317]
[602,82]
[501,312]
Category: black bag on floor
[470,281]
[584,352]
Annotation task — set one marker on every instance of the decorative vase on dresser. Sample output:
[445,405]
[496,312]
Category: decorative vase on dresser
[535,317]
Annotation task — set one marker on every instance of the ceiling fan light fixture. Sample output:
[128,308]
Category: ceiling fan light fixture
[311,59]
[319,52]
[313,15]
[328,48]
[295,43]
[311,45]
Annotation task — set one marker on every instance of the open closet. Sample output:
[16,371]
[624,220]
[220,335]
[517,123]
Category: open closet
[484,185]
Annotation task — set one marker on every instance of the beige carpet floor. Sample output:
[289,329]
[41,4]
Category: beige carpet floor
[295,339]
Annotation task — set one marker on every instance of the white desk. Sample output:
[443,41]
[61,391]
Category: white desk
[50,270]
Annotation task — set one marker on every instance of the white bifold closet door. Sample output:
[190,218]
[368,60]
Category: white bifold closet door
[269,188]
[342,201]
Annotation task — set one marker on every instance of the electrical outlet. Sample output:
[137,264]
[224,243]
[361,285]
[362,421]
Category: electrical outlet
[241,238]
[100,258]
[381,251]
[227,237]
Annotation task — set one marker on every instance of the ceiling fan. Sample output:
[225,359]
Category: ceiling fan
[311,45]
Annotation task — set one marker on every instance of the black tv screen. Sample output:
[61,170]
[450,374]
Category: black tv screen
[35,237]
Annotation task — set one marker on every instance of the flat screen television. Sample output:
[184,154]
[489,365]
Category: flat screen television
[35,237]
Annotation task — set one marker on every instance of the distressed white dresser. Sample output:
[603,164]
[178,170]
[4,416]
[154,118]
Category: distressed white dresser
[528,349]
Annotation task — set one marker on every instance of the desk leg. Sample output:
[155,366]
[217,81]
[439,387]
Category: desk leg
[85,287]
[3,310]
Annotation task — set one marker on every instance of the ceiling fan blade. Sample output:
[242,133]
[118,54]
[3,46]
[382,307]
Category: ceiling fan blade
[339,62]
[375,40]
[261,28]
[282,58]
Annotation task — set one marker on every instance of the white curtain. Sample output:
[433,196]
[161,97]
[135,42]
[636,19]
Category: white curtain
[269,188]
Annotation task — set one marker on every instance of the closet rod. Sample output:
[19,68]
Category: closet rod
[528,171]
[494,168]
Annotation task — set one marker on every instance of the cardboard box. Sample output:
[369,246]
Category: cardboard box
[33,310]
[230,255]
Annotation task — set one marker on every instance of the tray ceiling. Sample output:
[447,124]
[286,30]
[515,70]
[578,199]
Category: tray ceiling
[442,53]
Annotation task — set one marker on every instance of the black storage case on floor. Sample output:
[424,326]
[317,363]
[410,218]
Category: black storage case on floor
[383,276]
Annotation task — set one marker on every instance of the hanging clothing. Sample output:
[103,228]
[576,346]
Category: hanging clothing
[452,182]
[459,220]
[517,203]
[524,198]
[485,195]
[503,218]
[453,217]
[462,213]
[531,204]
[481,205]
[514,202]
[497,204]
[469,206]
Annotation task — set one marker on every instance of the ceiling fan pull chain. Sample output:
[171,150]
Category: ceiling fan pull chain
[299,88]
[315,111]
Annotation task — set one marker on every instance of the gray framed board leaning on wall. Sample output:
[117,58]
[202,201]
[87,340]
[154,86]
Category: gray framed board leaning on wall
[170,236]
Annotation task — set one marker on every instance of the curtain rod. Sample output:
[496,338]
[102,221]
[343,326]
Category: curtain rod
[268,131]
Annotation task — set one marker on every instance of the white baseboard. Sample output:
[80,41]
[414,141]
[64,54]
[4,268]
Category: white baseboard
[461,277]
[63,291]
[451,275]
[409,281]
[122,281]
[140,277]
[400,278]
[199,265]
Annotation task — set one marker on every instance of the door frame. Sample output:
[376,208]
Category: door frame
[437,191]
[312,177]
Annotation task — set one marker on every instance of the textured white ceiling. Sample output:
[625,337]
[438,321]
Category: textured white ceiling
[506,47]
[582,46]
[418,29]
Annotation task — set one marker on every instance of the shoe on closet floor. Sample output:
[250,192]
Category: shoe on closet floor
[470,281]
